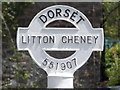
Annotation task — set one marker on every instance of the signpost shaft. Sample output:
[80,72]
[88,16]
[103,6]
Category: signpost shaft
[60,82]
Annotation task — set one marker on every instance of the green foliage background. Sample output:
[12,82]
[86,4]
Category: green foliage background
[112,64]
[111,24]
[111,20]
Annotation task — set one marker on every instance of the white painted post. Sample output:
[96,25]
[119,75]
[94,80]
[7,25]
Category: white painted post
[60,81]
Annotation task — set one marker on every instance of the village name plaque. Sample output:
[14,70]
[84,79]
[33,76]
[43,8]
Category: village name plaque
[37,39]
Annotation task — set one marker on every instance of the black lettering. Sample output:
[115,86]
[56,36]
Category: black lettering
[45,62]
[63,67]
[69,65]
[70,39]
[51,65]
[45,39]
[23,40]
[33,37]
[66,13]
[28,39]
[52,39]
[73,15]
[81,18]
[89,39]
[95,38]
[57,66]
[76,38]
[64,39]
[50,14]
[83,39]
[74,60]
[58,12]
[39,37]
[43,18]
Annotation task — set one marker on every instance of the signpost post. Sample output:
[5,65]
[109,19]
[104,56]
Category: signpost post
[37,39]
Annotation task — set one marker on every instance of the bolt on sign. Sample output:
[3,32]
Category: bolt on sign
[37,39]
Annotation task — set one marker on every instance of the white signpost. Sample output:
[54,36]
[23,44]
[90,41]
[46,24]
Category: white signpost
[37,39]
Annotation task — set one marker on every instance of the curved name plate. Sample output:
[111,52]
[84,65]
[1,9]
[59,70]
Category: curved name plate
[37,39]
